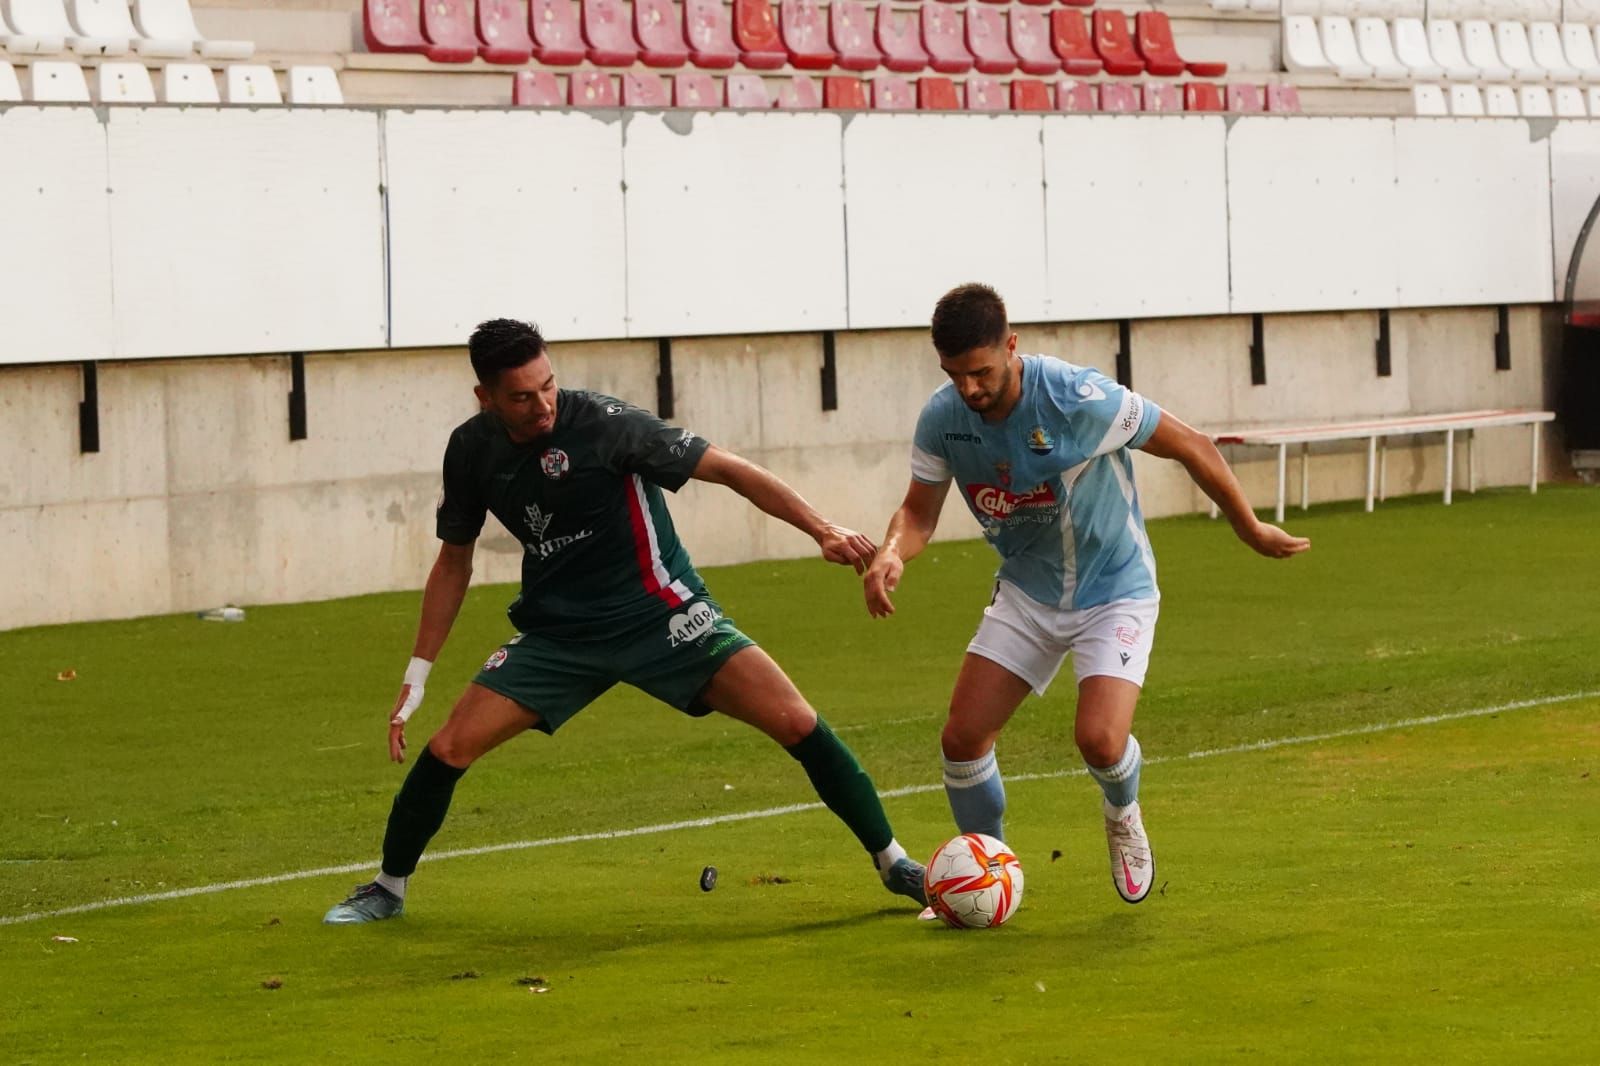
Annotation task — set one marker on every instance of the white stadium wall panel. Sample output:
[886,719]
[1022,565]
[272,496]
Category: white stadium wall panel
[936,200]
[496,214]
[55,241]
[735,223]
[1474,213]
[1136,216]
[239,231]
[1311,214]
[1574,187]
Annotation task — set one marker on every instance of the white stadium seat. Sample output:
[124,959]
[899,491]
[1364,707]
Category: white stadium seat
[125,83]
[188,83]
[1377,49]
[1534,102]
[1302,49]
[54,81]
[1264,6]
[314,85]
[1577,44]
[47,19]
[171,20]
[1339,45]
[1411,49]
[1466,100]
[1511,43]
[1592,99]
[111,20]
[10,88]
[1477,42]
[1569,102]
[20,44]
[1428,100]
[1544,38]
[250,84]
[1444,42]
[1500,101]
[1230,5]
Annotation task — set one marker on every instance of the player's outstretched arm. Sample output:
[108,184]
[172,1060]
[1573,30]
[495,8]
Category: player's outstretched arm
[909,532]
[441,602]
[1175,440]
[774,496]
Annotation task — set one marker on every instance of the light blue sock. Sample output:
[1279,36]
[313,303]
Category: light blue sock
[977,795]
[1120,783]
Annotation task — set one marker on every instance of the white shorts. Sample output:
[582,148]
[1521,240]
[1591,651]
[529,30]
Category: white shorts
[1030,638]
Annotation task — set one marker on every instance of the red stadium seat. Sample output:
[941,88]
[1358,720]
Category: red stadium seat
[890,93]
[1078,96]
[938,94]
[1153,37]
[1030,40]
[1245,98]
[805,34]
[1038,3]
[557,41]
[1116,98]
[900,41]
[645,89]
[448,24]
[536,88]
[710,33]
[392,26]
[850,31]
[1161,96]
[658,27]
[1069,37]
[1078,3]
[748,91]
[1114,46]
[799,93]
[605,30]
[694,89]
[504,32]
[592,88]
[1029,95]
[941,36]
[1283,99]
[986,40]
[1202,96]
[755,31]
[844,94]
[986,94]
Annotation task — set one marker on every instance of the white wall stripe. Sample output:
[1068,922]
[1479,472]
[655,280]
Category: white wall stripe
[775,812]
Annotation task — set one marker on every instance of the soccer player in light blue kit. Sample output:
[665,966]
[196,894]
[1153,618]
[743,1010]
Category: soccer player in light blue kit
[1038,449]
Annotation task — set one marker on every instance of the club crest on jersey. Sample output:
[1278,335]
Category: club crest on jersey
[1040,442]
[494,661]
[554,463]
[995,502]
[692,625]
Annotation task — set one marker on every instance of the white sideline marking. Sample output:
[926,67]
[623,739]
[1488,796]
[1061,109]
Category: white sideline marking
[773,812]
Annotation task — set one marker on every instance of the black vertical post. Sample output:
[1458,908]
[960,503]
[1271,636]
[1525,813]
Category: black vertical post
[1385,368]
[1502,338]
[664,377]
[297,396]
[1125,353]
[1258,352]
[830,374]
[89,410]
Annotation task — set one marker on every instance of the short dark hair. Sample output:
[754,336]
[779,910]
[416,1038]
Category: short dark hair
[968,316]
[503,344]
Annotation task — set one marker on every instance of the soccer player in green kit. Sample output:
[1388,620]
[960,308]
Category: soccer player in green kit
[608,594]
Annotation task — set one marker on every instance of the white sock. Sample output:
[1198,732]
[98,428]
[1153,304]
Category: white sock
[887,858]
[397,885]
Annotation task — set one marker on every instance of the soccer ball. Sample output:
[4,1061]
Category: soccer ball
[974,882]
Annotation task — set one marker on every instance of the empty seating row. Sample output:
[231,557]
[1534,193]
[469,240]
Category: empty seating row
[58,81]
[155,28]
[646,89]
[1399,44]
[851,35]
[1502,101]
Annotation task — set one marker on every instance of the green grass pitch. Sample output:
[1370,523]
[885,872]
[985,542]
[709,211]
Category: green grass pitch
[1412,893]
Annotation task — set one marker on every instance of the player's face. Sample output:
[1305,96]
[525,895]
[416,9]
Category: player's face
[988,379]
[524,399]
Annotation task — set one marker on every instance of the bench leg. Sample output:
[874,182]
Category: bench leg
[1283,469]
[1533,476]
[1383,469]
[1372,467]
[1305,477]
[1449,464]
[1472,461]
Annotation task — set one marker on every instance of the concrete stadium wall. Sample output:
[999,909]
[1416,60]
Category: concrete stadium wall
[198,497]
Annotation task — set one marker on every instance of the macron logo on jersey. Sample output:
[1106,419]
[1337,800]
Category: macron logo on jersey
[995,502]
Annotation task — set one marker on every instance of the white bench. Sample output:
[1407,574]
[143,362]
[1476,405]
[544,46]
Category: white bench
[1375,432]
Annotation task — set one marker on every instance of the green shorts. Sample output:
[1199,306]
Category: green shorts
[672,659]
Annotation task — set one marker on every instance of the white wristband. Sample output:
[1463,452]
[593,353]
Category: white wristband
[416,679]
[417,672]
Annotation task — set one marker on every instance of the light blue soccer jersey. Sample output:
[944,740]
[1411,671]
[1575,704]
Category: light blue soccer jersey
[1052,485]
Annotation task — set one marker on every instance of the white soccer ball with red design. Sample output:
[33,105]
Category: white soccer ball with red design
[974,882]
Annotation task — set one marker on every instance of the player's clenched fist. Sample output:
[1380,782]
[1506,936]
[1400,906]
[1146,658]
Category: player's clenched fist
[881,579]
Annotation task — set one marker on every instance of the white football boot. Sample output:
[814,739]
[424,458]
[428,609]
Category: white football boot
[1133,867]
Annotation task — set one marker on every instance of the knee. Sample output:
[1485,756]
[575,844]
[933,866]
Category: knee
[449,748]
[962,743]
[1100,744]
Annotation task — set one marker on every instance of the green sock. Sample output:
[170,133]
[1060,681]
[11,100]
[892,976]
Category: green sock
[844,786]
[418,812]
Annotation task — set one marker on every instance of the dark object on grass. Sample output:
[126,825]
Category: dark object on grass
[708,879]
[1056,854]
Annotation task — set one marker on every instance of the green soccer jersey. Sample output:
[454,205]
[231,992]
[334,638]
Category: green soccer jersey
[599,549]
